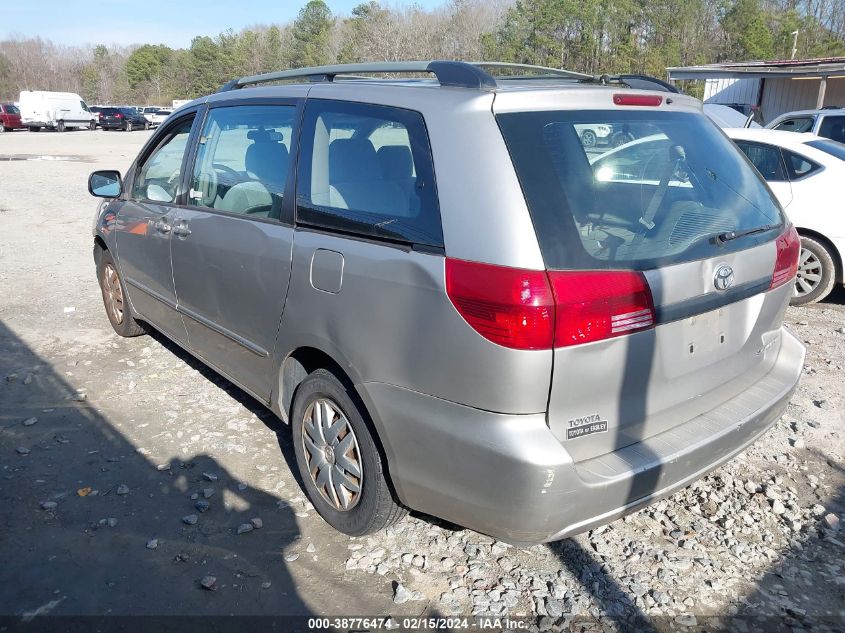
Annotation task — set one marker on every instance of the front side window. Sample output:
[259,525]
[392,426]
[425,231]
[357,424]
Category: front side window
[766,159]
[799,166]
[157,179]
[833,127]
[659,198]
[367,169]
[243,158]
[800,124]
[10,109]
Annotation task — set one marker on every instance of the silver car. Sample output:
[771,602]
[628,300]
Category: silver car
[456,306]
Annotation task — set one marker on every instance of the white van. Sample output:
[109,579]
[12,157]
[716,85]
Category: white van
[55,110]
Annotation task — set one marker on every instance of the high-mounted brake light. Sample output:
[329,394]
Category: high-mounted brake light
[786,262]
[531,309]
[637,100]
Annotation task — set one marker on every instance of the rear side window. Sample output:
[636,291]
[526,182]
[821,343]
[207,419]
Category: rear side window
[798,165]
[242,161]
[801,124]
[833,127]
[656,191]
[367,169]
[766,159]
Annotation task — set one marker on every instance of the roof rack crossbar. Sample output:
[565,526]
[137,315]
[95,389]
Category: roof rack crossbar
[448,73]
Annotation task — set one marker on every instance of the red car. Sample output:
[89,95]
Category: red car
[10,117]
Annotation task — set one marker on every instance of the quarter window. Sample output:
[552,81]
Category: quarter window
[799,166]
[158,178]
[766,159]
[367,169]
[243,158]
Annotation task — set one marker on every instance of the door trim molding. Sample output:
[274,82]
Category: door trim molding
[232,336]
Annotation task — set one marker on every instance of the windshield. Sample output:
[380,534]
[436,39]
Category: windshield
[636,189]
[829,147]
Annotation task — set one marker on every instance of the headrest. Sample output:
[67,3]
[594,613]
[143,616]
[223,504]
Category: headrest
[396,161]
[265,136]
[352,159]
[268,161]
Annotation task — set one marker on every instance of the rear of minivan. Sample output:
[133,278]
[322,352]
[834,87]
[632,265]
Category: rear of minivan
[668,266]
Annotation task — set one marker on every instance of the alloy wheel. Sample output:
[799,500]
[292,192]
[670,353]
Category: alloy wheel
[333,454]
[113,293]
[809,273]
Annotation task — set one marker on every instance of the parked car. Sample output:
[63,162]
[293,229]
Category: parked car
[806,173]
[158,117]
[57,111]
[827,122]
[727,116]
[122,119]
[10,117]
[453,314]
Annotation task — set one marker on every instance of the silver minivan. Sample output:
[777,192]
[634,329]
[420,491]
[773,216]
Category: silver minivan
[459,306]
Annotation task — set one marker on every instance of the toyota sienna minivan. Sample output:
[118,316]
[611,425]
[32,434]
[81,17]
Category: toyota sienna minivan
[459,306]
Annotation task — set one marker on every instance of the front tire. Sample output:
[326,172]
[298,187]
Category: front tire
[342,469]
[92,126]
[117,306]
[60,126]
[588,138]
[147,125]
[816,272]
[128,126]
[34,128]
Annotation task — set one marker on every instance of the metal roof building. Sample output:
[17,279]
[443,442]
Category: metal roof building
[774,86]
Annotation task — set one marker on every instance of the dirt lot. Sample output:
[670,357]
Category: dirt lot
[109,445]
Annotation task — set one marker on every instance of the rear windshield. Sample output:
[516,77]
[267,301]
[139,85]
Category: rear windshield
[635,190]
[829,147]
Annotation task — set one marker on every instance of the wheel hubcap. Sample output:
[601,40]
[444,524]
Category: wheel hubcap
[333,455]
[113,294]
[809,273]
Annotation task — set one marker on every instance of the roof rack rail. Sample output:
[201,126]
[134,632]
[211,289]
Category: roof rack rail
[448,73]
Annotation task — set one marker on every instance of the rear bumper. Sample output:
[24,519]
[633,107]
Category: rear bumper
[508,476]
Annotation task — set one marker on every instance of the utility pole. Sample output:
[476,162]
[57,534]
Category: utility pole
[794,35]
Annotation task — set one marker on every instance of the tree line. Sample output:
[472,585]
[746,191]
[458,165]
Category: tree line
[596,36]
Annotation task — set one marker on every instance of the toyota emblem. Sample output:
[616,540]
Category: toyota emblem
[724,277]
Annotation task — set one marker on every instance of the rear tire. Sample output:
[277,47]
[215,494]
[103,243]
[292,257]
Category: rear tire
[588,138]
[816,272]
[115,300]
[128,126]
[60,126]
[329,429]
[34,128]
[4,129]
[147,125]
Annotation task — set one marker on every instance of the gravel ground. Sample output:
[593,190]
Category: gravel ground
[135,481]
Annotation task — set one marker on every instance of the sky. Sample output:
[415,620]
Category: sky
[171,22]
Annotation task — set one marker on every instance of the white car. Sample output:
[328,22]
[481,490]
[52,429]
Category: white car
[156,116]
[806,173]
[58,111]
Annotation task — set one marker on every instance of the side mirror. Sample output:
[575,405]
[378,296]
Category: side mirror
[105,184]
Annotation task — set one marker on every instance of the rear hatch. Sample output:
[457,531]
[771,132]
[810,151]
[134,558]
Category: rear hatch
[669,259]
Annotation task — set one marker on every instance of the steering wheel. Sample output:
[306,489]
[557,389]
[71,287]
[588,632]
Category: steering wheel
[227,170]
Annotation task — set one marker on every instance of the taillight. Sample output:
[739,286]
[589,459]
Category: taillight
[786,262]
[637,100]
[597,305]
[509,306]
[531,309]
[118,116]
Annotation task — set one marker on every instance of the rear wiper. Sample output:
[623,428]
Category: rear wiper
[727,236]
